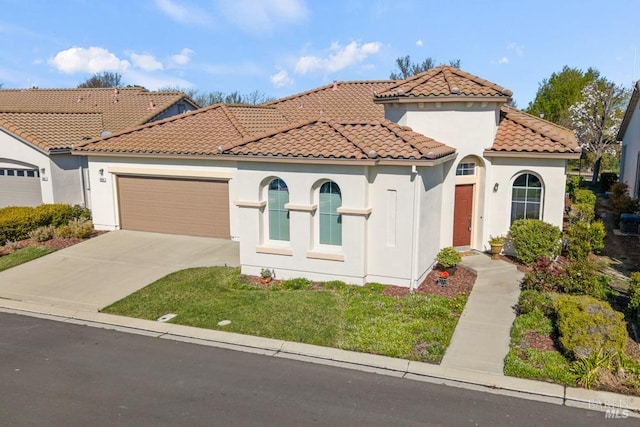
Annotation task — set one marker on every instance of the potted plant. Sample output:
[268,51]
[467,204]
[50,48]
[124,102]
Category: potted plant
[266,276]
[496,243]
[443,278]
[448,258]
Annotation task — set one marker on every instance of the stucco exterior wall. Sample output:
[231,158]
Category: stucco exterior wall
[631,149]
[503,172]
[103,192]
[66,174]
[14,152]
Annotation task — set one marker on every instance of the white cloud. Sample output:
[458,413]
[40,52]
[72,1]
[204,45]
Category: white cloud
[185,14]
[88,60]
[503,60]
[339,57]
[264,15]
[518,49]
[419,43]
[281,79]
[182,58]
[146,62]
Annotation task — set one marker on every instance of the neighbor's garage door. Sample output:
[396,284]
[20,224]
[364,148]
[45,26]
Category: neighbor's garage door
[174,206]
[19,187]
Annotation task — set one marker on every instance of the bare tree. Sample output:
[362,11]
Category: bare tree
[406,68]
[104,79]
[596,119]
[216,97]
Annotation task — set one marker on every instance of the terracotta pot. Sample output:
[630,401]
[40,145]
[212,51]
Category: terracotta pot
[496,250]
[265,280]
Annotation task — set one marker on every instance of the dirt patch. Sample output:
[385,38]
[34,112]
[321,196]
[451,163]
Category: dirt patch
[540,342]
[56,243]
[461,281]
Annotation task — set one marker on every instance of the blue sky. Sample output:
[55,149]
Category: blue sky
[281,47]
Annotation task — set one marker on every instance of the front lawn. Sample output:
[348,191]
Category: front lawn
[416,326]
[23,255]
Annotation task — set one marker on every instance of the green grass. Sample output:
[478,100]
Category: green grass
[523,362]
[23,255]
[417,327]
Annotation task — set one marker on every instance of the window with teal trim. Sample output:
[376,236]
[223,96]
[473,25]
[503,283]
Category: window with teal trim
[278,216]
[330,220]
[526,197]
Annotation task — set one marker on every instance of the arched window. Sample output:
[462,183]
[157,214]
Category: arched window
[278,196]
[526,197]
[330,220]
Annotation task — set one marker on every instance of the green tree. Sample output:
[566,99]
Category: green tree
[559,92]
[104,79]
[216,97]
[596,119]
[406,68]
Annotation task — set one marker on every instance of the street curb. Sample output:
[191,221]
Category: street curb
[611,403]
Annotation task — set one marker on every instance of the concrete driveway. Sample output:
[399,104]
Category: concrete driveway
[105,269]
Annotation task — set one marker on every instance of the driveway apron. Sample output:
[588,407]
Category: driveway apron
[95,273]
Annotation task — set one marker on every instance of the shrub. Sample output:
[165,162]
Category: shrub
[533,238]
[582,278]
[17,222]
[44,233]
[585,196]
[574,183]
[531,300]
[634,294]
[579,240]
[544,276]
[607,179]
[598,233]
[448,257]
[587,326]
[79,228]
[621,202]
[56,214]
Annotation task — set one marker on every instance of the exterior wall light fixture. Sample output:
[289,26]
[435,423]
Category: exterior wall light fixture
[495,187]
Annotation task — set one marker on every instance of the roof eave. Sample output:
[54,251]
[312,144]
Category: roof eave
[433,99]
[532,154]
[628,113]
[419,162]
[25,141]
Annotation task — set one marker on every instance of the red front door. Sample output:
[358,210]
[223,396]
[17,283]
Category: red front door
[462,209]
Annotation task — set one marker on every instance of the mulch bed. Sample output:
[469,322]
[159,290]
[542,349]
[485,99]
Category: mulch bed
[56,243]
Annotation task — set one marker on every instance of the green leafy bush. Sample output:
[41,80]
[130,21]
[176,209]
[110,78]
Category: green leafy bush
[533,238]
[581,277]
[634,294]
[44,233]
[79,228]
[574,183]
[531,300]
[16,222]
[579,241]
[598,233]
[56,214]
[587,326]
[448,257]
[585,196]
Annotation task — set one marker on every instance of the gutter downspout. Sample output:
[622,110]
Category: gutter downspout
[414,230]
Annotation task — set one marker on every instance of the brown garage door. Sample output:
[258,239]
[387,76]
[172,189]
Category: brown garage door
[174,206]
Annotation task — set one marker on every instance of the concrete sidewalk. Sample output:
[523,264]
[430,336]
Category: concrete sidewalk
[481,339]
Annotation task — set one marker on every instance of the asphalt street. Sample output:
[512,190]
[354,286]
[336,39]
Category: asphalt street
[53,373]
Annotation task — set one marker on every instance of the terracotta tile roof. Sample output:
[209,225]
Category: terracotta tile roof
[337,101]
[200,132]
[443,81]
[522,132]
[344,140]
[126,108]
[50,131]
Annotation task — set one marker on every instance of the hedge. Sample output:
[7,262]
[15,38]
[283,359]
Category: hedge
[587,326]
[16,222]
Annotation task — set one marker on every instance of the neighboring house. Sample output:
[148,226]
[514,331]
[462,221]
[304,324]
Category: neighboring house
[629,134]
[40,127]
[356,181]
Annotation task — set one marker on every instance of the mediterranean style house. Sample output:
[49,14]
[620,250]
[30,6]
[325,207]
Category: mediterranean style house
[629,134]
[354,181]
[40,127]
